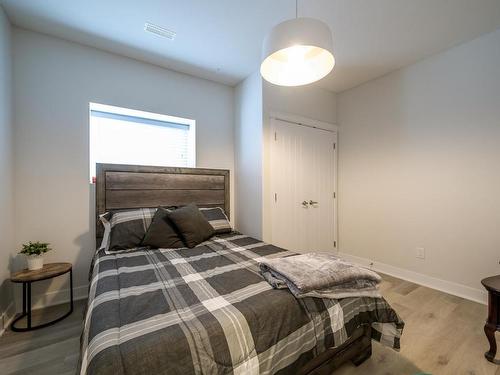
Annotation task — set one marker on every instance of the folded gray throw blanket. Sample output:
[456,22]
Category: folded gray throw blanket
[320,275]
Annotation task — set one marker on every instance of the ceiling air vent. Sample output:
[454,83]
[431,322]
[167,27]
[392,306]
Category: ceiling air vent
[160,31]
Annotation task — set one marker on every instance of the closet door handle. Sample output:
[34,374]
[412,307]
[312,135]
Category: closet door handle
[311,202]
[304,204]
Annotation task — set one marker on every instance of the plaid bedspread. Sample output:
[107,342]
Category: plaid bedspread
[207,310]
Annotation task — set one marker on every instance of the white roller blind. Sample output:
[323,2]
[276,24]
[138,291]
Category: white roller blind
[139,138]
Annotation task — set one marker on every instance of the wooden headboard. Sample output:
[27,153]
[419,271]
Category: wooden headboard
[134,186]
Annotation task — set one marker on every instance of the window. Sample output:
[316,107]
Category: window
[126,136]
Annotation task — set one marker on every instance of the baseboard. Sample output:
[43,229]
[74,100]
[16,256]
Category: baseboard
[6,317]
[459,290]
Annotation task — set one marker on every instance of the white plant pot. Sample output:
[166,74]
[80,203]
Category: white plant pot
[35,262]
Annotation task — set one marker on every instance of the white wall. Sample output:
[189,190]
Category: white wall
[309,102]
[420,165]
[248,155]
[54,81]
[7,249]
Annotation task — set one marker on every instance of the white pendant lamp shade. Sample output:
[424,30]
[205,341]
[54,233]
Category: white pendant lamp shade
[297,52]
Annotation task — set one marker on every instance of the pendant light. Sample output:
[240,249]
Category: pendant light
[297,52]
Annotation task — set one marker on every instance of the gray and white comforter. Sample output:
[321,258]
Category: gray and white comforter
[208,310]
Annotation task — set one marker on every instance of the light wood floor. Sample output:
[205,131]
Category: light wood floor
[443,336]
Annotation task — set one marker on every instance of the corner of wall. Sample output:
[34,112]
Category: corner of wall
[6,170]
[248,155]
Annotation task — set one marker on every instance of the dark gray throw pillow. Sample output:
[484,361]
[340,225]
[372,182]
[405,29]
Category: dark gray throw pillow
[192,226]
[217,219]
[128,228]
[161,234]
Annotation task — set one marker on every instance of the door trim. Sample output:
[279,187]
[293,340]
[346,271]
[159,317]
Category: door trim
[304,121]
[295,120]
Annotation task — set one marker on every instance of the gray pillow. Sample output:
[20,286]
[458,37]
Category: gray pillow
[217,219]
[192,226]
[162,234]
[129,227]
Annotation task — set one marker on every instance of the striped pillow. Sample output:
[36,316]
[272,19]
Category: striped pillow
[217,219]
[127,228]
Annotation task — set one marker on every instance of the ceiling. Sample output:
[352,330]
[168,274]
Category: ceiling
[221,39]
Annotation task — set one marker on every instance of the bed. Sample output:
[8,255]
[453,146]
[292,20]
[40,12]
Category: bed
[207,310]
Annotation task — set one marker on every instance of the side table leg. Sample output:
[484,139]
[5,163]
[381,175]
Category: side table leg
[29,305]
[489,330]
[71,289]
[24,298]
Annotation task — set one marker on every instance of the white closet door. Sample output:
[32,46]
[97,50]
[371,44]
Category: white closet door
[302,173]
[321,189]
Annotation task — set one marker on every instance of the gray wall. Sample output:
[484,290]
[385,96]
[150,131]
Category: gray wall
[7,249]
[54,81]
[255,101]
[248,155]
[309,101]
[420,165]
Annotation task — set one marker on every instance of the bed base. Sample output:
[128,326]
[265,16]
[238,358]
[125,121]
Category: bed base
[357,350]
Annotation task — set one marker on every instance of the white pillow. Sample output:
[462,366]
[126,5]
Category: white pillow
[107,231]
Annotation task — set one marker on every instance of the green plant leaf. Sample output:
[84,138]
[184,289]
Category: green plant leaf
[35,248]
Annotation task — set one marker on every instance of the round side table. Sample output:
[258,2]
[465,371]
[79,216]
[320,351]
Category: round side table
[492,285]
[26,277]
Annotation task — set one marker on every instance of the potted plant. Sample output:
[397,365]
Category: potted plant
[34,254]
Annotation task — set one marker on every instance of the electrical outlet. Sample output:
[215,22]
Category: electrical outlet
[420,253]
